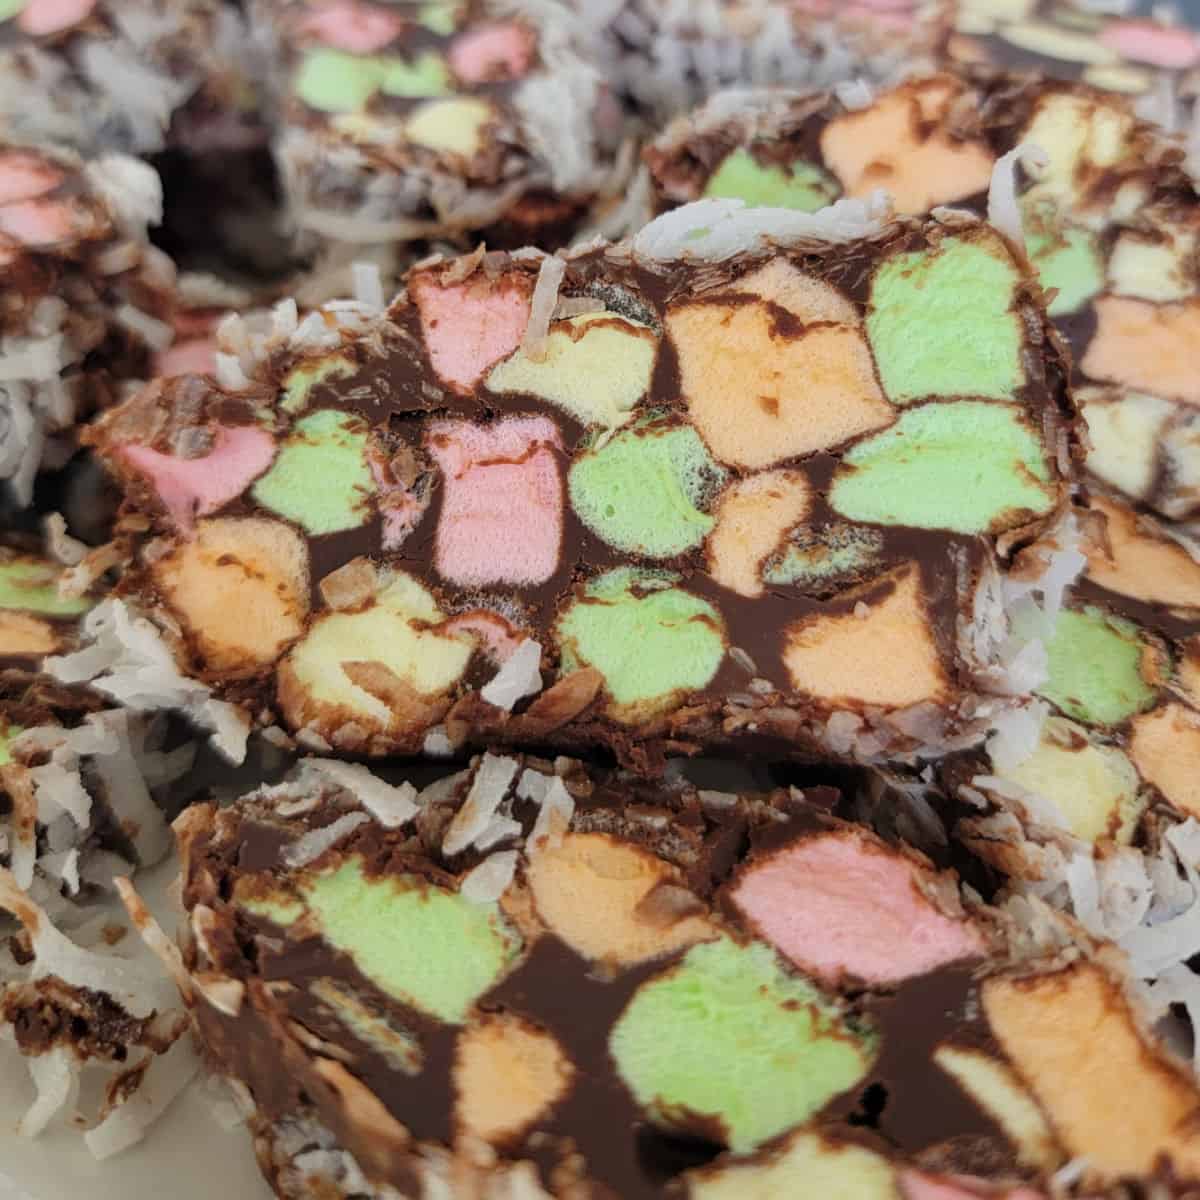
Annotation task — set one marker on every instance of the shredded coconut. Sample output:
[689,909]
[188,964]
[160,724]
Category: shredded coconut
[1004,210]
[151,932]
[391,806]
[164,1079]
[131,189]
[493,778]
[854,94]
[126,658]
[368,285]
[542,305]
[717,230]
[554,816]
[56,1078]
[490,880]
[310,846]
[518,677]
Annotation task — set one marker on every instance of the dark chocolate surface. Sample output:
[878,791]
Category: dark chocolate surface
[905,1105]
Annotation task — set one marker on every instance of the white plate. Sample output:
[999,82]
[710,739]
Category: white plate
[187,1155]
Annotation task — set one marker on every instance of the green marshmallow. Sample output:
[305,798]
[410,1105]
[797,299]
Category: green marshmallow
[1095,667]
[336,82]
[320,478]
[31,585]
[647,638]
[431,949]
[728,1034]
[800,185]
[399,1048]
[300,381]
[808,1165]
[941,322]
[438,18]
[8,735]
[815,557]
[428,75]
[969,467]
[1069,260]
[11,8]
[644,490]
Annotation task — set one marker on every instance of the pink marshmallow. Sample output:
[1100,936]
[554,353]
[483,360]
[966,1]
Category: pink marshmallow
[26,177]
[38,222]
[496,637]
[493,52]
[194,356]
[191,487]
[502,501]
[916,1185]
[1168,46]
[355,28]
[41,18]
[470,326]
[836,904]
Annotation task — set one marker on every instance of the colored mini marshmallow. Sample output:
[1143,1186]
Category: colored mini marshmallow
[595,367]
[842,905]
[507,1074]
[1096,665]
[882,653]
[742,177]
[26,177]
[453,126]
[1165,745]
[900,143]
[191,487]
[352,26]
[807,1162]
[43,18]
[1094,787]
[731,1037]
[333,81]
[652,641]
[1140,561]
[40,222]
[31,584]
[759,391]
[470,326]
[1069,261]
[240,586]
[501,516]
[1146,347]
[387,666]
[302,379]
[961,295]
[452,950]
[753,517]
[329,446]
[491,52]
[968,466]
[616,925]
[645,490]
[1110,1098]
